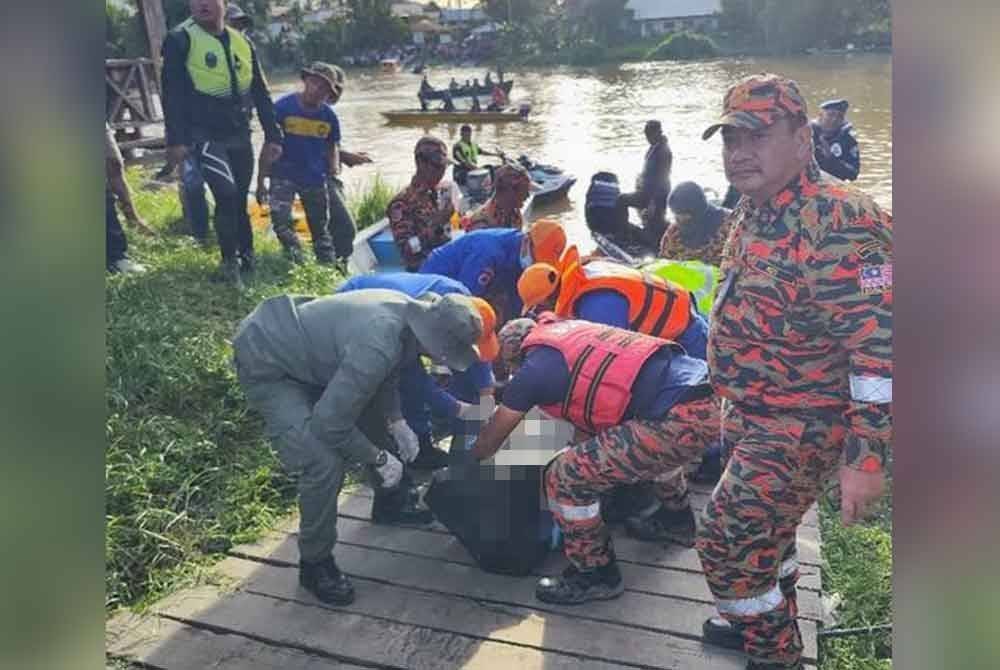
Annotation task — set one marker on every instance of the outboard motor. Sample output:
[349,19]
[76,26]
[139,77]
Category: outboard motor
[603,212]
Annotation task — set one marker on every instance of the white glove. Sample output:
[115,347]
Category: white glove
[390,472]
[406,439]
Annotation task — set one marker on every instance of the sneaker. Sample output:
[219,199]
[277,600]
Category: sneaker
[577,586]
[664,525]
[127,266]
[429,457]
[399,506]
[721,633]
[325,581]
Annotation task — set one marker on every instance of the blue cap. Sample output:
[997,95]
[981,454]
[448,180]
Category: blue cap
[839,104]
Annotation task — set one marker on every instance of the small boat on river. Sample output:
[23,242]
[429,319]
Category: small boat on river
[418,117]
[483,90]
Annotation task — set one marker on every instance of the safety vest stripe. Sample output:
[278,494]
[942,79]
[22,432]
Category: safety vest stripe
[765,602]
[588,403]
[665,314]
[574,376]
[647,303]
[576,513]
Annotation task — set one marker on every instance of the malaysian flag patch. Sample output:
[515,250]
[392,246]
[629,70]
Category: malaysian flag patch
[875,279]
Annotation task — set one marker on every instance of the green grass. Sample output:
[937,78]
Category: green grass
[188,469]
[857,565]
[368,206]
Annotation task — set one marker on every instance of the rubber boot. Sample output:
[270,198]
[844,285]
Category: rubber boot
[325,581]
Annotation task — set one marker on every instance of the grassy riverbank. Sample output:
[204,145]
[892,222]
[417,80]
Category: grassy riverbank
[188,469]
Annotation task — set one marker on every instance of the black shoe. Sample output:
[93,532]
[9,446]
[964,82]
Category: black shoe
[663,525]
[429,457]
[577,586]
[760,665]
[721,633]
[399,506]
[325,581]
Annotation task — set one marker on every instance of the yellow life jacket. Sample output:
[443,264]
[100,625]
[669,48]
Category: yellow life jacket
[207,65]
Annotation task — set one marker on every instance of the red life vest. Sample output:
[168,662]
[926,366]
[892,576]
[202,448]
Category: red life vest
[655,306]
[603,362]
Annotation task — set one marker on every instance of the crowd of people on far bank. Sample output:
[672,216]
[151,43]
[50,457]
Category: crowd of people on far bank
[781,357]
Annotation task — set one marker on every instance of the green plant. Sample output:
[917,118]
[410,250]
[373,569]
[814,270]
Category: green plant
[368,206]
[684,45]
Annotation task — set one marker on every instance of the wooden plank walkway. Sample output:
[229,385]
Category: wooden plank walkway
[422,603]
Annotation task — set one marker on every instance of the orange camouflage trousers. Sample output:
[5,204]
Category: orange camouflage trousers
[777,466]
[634,451]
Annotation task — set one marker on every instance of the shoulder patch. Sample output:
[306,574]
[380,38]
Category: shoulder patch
[486,277]
[870,248]
[875,279]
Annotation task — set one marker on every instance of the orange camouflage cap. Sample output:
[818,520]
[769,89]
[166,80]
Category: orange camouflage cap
[758,101]
[512,337]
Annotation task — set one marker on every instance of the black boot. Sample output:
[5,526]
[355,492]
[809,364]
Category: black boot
[577,586]
[721,633]
[664,525]
[399,506]
[429,457]
[325,581]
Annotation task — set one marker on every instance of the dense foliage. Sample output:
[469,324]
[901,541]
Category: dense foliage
[684,46]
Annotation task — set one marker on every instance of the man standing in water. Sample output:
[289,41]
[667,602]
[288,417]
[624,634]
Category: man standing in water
[653,184]
[800,344]
[211,80]
[833,138]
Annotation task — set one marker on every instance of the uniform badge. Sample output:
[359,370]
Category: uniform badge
[211,60]
[875,279]
[869,248]
[485,277]
[836,150]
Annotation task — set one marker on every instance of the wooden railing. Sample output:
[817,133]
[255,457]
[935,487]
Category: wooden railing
[133,99]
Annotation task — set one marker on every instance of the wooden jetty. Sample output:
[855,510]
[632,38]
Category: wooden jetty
[423,603]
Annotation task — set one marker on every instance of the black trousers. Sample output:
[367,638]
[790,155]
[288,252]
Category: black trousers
[228,168]
[116,245]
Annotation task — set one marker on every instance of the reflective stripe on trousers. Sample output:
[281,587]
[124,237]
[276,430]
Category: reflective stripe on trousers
[765,602]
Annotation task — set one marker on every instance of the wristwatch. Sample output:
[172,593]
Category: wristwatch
[382,458]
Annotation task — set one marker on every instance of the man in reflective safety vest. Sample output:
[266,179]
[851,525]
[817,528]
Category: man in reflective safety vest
[642,410]
[211,81]
[801,344]
[607,292]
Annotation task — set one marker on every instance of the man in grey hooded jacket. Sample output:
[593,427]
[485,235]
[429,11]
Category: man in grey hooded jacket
[323,372]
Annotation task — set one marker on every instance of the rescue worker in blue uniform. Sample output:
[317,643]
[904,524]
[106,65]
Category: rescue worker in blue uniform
[834,142]
[419,395]
[489,262]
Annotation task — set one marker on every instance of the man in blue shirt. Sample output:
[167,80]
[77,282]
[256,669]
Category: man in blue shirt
[419,395]
[489,262]
[310,157]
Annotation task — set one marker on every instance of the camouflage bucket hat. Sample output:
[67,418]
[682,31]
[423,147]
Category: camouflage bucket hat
[331,74]
[758,101]
[512,337]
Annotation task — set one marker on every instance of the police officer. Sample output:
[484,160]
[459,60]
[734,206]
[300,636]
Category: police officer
[211,79]
[833,139]
[800,343]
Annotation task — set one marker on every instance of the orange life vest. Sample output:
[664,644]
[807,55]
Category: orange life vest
[655,306]
[603,364]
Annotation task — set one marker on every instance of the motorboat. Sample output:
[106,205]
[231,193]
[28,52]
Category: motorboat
[390,65]
[432,116]
[467,91]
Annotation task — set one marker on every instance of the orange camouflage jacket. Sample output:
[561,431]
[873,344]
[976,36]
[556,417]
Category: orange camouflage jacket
[803,317]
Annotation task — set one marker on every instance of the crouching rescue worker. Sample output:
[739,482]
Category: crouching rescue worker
[800,343]
[489,262]
[323,373]
[420,396]
[616,295]
[643,410]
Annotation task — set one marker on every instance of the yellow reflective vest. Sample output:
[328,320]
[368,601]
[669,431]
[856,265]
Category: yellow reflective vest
[700,278]
[206,62]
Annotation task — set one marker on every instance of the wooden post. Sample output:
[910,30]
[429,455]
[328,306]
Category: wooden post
[156,28]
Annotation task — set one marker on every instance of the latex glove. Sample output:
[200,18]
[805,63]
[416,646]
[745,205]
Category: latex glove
[391,472]
[406,439]
[857,490]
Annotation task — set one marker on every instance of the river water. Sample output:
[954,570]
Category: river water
[590,119]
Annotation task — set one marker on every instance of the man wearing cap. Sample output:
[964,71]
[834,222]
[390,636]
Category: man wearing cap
[653,183]
[607,292]
[420,396]
[466,154]
[211,81]
[324,373]
[419,216]
[511,185]
[489,262]
[700,228]
[237,19]
[309,160]
[836,146]
[800,344]
[644,409]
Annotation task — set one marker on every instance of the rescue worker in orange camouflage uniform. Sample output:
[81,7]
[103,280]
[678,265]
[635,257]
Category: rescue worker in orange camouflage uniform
[418,215]
[800,345]
[511,187]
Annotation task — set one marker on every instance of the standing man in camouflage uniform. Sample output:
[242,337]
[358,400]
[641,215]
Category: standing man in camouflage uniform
[800,343]
[418,215]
